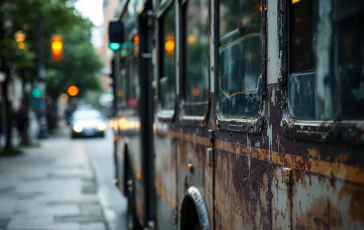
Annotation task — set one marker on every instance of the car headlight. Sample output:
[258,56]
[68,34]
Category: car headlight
[101,126]
[77,128]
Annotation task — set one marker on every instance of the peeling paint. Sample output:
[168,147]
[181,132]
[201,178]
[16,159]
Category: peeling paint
[270,138]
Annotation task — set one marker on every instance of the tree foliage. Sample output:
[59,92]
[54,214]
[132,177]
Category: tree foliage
[80,63]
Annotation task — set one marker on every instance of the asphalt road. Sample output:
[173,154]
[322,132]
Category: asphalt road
[100,152]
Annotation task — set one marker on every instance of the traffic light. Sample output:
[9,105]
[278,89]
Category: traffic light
[20,39]
[57,48]
[37,93]
[72,90]
[116,35]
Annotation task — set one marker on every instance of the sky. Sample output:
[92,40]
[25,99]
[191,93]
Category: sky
[92,9]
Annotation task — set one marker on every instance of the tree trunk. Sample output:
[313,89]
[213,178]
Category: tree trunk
[8,113]
[25,102]
[7,105]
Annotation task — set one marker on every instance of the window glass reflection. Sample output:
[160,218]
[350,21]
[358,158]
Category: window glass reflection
[167,80]
[196,39]
[326,79]
[240,58]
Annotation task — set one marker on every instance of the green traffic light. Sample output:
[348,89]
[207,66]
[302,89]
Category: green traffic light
[114,46]
[37,92]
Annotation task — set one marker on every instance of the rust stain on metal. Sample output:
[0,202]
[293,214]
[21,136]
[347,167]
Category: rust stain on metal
[322,214]
[314,153]
[341,158]
[242,192]
[356,207]
[356,211]
[337,170]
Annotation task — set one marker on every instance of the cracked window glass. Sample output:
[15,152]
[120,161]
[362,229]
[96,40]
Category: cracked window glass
[240,58]
[326,64]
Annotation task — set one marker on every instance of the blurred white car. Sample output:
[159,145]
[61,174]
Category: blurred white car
[88,123]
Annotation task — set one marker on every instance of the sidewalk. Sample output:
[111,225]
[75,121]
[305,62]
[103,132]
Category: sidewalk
[50,187]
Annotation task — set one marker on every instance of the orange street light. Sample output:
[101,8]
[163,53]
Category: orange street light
[72,90]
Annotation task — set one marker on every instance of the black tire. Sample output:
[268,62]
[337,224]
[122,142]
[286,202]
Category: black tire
[102,135]
[132,221]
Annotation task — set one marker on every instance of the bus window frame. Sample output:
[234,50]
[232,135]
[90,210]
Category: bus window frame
[347,131]
[164,114]
[190,118]
[253,125]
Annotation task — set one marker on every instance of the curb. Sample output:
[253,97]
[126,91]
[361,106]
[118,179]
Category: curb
[98,193]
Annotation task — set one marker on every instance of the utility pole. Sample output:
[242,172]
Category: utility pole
[116,78]
[42,115]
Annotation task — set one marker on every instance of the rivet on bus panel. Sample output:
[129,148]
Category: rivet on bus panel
[190,166]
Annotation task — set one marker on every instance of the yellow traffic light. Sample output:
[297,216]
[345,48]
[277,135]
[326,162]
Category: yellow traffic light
[21,45]
[72,90]
[19,36]
[57,48]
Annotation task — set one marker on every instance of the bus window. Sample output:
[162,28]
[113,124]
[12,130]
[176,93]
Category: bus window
[302,64]
[167,80]
[132,89]
[196,58]
[349,57]
[326,69]
[240,58]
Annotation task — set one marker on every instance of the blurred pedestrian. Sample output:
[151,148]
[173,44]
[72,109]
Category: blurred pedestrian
[22,123]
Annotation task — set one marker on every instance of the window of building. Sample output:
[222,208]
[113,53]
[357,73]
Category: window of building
[240,58]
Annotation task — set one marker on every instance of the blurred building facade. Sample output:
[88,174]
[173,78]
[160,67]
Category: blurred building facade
[110,8]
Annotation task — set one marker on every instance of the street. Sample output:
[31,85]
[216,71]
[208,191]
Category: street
[63,184]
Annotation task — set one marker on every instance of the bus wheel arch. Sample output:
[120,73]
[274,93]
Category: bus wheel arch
[194,214]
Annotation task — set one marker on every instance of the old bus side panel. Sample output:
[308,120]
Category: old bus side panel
[269,181]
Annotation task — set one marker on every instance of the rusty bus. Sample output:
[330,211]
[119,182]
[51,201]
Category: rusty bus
[241,114]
